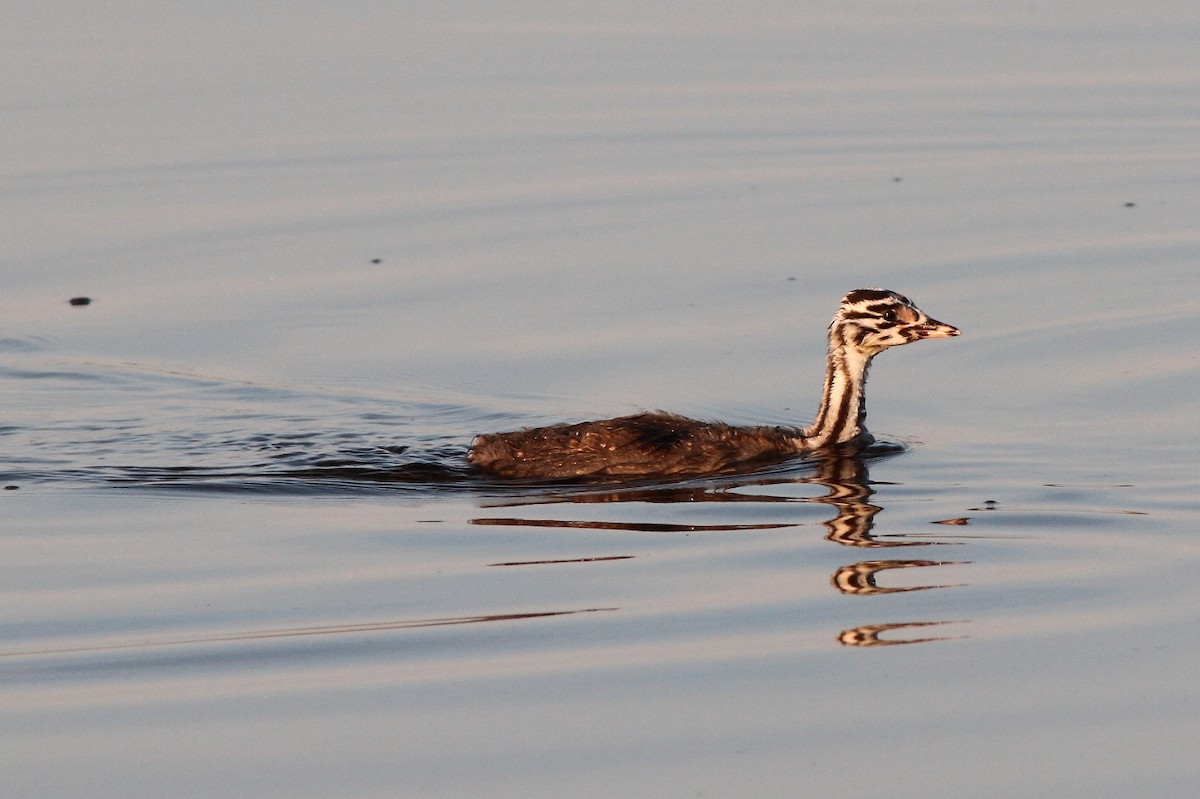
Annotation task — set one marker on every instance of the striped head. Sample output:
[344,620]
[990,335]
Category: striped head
[871,320]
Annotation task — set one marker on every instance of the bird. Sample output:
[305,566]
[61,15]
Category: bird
[657,444]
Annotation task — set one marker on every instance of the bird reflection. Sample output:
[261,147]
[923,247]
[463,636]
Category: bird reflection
[869,635]
[849,484]
[845,479]
[859,578]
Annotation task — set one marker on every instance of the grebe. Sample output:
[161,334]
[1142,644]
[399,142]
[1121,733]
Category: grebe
[665,444]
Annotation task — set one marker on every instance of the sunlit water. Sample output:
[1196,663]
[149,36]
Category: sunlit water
[243,554]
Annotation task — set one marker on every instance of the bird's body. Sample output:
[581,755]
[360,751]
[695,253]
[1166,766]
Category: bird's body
[638,445]
[662,444]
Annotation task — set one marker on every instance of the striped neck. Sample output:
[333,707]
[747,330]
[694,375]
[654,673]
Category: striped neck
[843,413]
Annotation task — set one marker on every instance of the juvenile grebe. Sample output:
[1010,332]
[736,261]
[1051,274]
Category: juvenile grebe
[664,444]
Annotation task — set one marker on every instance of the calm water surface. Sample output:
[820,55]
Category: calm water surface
[243,554]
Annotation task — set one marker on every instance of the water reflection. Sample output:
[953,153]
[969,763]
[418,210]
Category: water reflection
[299,632]
[848,490]
[859,578]
[644,527]
[869,635]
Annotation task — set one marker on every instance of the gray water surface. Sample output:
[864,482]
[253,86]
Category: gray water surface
[243,554]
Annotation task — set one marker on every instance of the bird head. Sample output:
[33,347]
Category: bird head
[871,320]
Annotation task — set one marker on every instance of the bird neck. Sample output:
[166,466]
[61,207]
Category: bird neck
[843,413]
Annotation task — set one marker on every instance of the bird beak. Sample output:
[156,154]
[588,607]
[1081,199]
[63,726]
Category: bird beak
[932,328]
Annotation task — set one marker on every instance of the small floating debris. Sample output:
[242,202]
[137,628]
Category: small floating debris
[897,179]
[1130,205]
[960,520]
[80,301]
[11,487]
[376,260]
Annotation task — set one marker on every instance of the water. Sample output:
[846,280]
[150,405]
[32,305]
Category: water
[243,555]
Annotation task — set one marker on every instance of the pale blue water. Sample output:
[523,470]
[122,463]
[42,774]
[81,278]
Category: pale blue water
[243,554]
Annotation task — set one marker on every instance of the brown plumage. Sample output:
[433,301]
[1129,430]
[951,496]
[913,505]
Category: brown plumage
[664,444]
[638,445]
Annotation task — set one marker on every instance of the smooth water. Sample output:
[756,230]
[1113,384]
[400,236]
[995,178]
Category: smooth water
[243,554]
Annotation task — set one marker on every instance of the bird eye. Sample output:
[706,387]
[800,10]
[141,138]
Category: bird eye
[889,315]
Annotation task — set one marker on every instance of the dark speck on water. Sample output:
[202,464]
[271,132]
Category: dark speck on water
[80,301]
